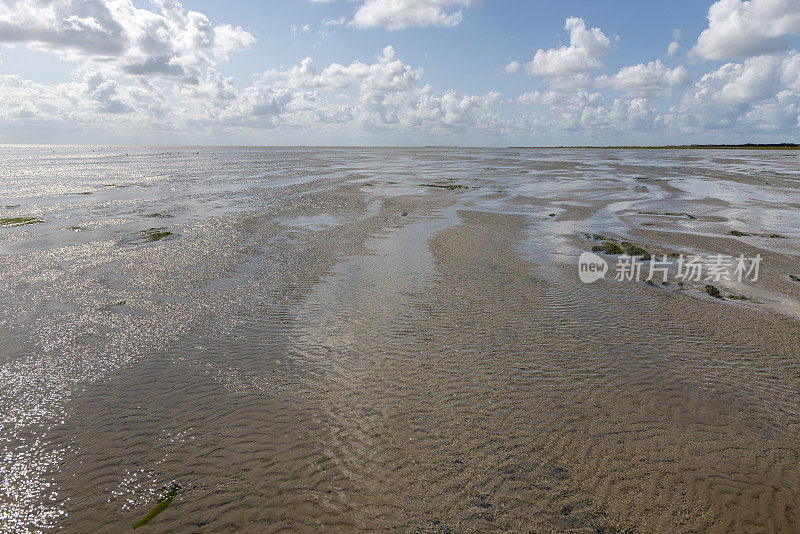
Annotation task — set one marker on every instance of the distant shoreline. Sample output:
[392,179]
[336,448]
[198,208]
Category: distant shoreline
[745,146]
[753,146]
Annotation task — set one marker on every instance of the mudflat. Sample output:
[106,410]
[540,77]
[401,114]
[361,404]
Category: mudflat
[334,339]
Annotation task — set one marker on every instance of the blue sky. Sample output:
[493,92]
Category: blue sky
[401,72]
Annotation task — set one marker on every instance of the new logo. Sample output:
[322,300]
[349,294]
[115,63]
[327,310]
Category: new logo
[591,267]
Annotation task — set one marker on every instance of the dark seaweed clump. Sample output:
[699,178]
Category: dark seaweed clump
[159,215]
[610,247]
[738,233]
[634,250]
[450,187]
[713,291]
[154,234]
[794,277]
[163,501]
[670,214]
[8,222]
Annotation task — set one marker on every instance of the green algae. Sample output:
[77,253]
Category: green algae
[738,233]
[611,247]
[159,215]
[450,187]
[608,248]
[163,501]
[8,222]
[794,277]
[154,234]
[713,291]
[634,250]
[670,214]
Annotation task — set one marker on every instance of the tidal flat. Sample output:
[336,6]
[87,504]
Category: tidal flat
[375,339]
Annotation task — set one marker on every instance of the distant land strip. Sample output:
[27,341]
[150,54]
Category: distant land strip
[755,146]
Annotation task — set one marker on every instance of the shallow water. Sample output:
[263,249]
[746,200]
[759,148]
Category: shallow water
[323,340]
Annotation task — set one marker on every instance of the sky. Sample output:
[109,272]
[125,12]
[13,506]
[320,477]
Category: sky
[399,72]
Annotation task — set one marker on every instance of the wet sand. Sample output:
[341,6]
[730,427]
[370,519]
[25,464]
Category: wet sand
[395,339]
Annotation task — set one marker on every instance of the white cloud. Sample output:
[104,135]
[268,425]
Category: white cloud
[297,30]
[334,22]
[399,14]
[512,67]
[673,47]
[752,81]
[653,78]
[561,112]
[92,98]
[390,98]
[739,28]
[739,96]
[387,74]
[115,34]
[568,66]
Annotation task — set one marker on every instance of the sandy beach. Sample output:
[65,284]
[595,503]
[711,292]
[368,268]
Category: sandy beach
[301,339]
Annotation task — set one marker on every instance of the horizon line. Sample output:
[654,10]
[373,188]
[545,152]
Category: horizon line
[780,145]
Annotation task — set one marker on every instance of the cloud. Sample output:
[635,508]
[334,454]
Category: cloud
[739,96]
[297,30]
[387,74]
[116,35]
[390,98]
[399,14]
[673,47]
[568,66]
[334,22]
[561,112]
[653,78]
[739,28]
[92,98]
[512,67]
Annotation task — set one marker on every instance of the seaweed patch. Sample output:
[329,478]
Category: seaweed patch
[8,222]
[163,501]
[451,187]
[154,234]
[713,291]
